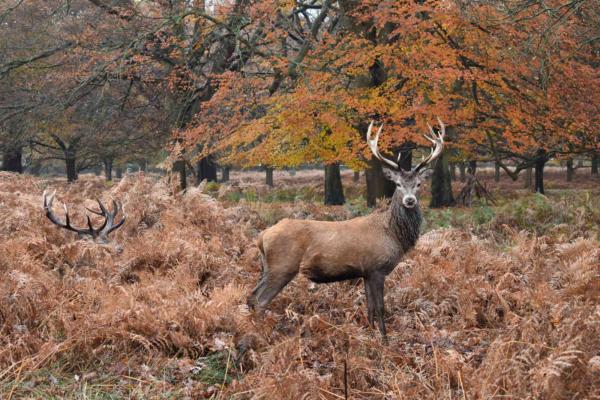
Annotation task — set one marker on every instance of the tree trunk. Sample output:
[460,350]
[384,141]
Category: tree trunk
[70,163]
[334,191]
[406,156]
[225,174]
[12,160]
[179,167]
[441,184]
[356,176]
[595,163]
[207,169]
[540,163]
[143,165]
[36,167]
[496,171]
[472,168]
[378,186]
[269,176]
[570,170]
[463,171]
[453,171]
[528,178]
[108,166]
[119,172]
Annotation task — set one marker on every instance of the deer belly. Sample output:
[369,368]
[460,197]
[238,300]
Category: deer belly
[326,274]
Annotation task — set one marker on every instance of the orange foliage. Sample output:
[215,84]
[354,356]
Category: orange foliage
[491,74]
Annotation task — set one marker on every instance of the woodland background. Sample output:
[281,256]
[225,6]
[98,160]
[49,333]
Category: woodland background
[274,84]
[212,120]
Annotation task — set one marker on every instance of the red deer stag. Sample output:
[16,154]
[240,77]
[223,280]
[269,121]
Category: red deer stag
[101,233]
[366,247]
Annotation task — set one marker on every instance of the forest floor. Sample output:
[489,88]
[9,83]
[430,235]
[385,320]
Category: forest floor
[495,301]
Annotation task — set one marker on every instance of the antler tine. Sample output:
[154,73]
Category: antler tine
[106,216]
[374,147]
[48,199]
[438,144]
[94,232]
[102,211]
[108,225]
[67,218]
[433,136]
[47,203]
[442,127]
[117,207]
[45,200]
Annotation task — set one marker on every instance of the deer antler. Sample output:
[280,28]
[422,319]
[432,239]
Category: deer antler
[436,138]
[373,145]
[108,225]
[438,145]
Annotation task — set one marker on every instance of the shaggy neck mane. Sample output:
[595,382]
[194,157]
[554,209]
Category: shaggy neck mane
[404,222]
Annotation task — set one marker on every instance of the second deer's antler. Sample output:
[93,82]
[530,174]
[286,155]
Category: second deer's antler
[108,225]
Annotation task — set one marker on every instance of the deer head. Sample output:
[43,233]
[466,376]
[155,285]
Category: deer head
[408,182]
[107,226]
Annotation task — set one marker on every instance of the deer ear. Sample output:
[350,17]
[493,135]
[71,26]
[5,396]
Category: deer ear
[389,174]
[425,174]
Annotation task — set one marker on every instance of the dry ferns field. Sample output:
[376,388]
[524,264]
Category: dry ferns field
[159,311]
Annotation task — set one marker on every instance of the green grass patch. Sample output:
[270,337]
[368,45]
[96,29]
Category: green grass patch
[215,369]
[565,213]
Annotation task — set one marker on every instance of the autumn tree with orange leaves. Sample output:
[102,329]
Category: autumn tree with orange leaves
[546,107]
[335,69]
[513,80]
[285,83]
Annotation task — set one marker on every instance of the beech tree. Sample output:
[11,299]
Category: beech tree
[308,98]
[545,53]
[280,84]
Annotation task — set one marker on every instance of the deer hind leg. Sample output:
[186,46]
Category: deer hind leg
[259,287]
[273,279]
[262,281]
[272,285]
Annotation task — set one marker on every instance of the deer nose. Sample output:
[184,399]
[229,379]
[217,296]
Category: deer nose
[409,201]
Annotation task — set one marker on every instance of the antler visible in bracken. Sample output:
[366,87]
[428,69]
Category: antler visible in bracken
[108,225]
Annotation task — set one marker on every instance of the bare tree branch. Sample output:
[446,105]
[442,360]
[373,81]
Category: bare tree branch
[12,65]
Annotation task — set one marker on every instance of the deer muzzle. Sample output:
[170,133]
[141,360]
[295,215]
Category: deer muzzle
[409,201]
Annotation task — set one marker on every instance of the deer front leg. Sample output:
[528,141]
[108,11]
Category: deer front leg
[376,283]
[370,302]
